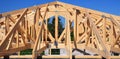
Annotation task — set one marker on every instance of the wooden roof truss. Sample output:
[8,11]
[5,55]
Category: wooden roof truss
[95,31]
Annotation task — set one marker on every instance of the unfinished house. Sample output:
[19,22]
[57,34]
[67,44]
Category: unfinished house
[86,34]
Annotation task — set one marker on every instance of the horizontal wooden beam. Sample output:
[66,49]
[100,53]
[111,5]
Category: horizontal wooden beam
[116,50]
[14,50]
[57,56]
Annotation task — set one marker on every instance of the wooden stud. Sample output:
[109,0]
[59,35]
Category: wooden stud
[104,30]
[6,25]
[56,27]
[75,28]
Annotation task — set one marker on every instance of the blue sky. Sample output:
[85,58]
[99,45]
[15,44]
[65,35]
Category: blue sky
[108,6]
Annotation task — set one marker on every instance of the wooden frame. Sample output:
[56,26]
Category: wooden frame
[95,31]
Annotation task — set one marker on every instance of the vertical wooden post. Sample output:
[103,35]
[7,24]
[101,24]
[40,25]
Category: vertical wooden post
[34,28]
[39,42]
[34,31]
[86,32]
[42,35]
[113,31]
[75,28]
[18,42]
[37,17]
[112,38]
[93,40]
[69,39]
[66,34]
[17,39]
[23,22]
[6,24]
[104,30]
[46,32]
[56,27]
[26,30]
